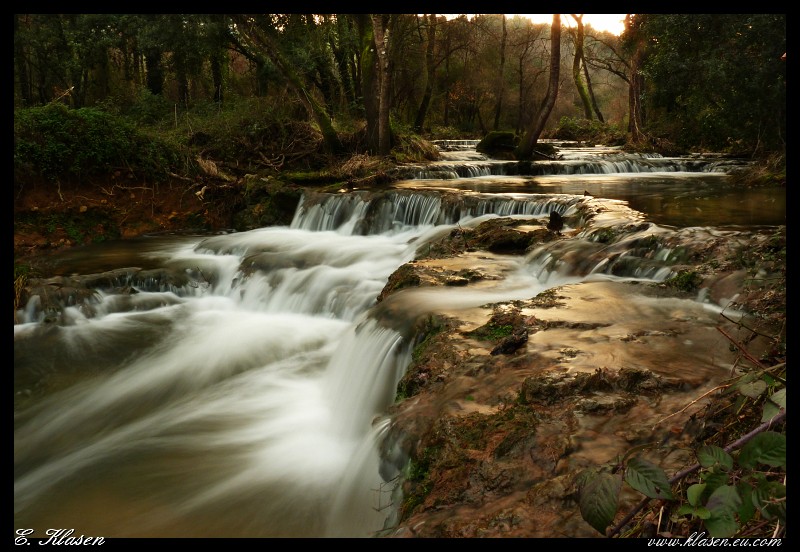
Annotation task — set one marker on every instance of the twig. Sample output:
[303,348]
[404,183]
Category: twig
[742,348]
[693,402]
[179,177]
[723,315]
[691,469]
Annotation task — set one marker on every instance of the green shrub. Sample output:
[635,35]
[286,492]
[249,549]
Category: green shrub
[589,130]
[57,142]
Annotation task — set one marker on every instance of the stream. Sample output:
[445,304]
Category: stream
[240,384]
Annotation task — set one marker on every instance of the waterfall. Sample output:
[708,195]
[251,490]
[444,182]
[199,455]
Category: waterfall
[238,384]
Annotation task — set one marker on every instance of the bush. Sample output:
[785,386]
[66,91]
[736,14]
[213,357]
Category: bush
[57,142]
[589,130]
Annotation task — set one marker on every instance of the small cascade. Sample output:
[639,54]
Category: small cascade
[455,145]
[239,385]
[569,161]
[608,165]
[398,211]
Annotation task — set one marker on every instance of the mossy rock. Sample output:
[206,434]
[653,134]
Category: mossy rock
[498,145]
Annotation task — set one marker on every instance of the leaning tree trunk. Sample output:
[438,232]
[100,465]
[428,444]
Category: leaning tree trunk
[262,41]
[525,148]
[591,93]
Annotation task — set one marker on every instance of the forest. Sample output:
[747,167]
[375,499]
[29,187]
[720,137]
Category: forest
[670,81]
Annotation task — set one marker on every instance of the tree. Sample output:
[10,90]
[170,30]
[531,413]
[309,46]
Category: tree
[531,137]
[422,112]
[634,44]
[380,29]
[500,77]
[259,34]
[715,80]
[576,68]
[21,67]
[524,38]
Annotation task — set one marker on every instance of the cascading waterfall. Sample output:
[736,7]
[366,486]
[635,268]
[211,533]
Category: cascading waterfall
[241,388]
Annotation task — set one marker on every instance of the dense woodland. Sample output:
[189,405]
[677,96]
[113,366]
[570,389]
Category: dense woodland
[671,81]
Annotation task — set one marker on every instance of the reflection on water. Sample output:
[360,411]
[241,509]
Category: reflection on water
[670,199]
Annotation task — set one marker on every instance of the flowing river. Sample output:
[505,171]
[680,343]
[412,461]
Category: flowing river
[238,385]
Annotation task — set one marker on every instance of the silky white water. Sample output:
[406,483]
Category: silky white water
[250,401]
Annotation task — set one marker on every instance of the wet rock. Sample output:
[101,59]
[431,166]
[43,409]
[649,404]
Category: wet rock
[510,344]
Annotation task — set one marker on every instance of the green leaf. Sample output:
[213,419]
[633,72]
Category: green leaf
[769,497]
[598,498]
[752,389]
[747,509]
[699,511]
[648,479]
[715,478]
[709,455]
[773,405]
[702,512]
[779,398]
[768,447]
[694,492]
[723,505]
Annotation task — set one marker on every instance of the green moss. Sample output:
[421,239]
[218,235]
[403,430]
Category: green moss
[492,332]
[685,280]
[604,235]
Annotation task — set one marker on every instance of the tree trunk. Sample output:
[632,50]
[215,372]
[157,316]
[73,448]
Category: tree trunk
[370,82]
[591,93]
[576,68]
[380,34]
[525,148]
[181,77]
[216,75]
[422,112]
[635,91]
[446,115]
[500,79]
[340,43]
[21,65]
[155,74]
